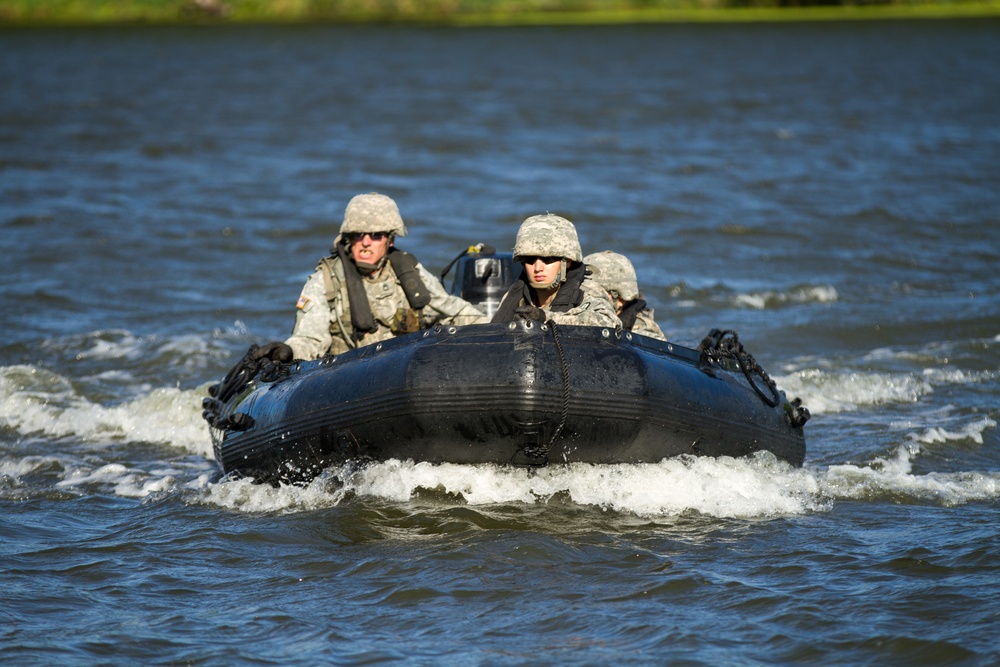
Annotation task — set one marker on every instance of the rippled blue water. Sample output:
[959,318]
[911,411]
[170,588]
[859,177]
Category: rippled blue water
[829,191]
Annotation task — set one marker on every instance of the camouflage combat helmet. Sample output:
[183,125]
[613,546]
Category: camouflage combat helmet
[547,236]
[614,273]
[372,213]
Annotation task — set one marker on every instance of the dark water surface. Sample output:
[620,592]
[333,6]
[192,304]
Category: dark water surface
[830,191]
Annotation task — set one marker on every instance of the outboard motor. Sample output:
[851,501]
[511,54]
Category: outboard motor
[482,276]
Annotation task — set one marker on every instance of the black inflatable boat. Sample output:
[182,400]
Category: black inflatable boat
[517,393]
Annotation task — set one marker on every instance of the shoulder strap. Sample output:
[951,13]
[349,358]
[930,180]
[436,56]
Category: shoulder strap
[404,265]
[570,295]
[333,282]
[517,293]
[326,266]
[362,320]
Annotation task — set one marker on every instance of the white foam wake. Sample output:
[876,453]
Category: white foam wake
[759,487]
[35,401]
[753,488]
[892,478]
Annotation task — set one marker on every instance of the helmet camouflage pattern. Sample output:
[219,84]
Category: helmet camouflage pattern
[547,235]
[614,273]
[372,213]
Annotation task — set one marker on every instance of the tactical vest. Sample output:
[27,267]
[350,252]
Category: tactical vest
[336,283]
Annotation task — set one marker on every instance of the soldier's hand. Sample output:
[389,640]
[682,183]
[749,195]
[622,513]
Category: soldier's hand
[275,352]
[531,313]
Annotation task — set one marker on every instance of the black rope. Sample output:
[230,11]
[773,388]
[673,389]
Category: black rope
[542,452]
[720,344]
[238,377]
[273,371]
[565,384]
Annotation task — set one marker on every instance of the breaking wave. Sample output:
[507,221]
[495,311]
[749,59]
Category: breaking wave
[776,299]
[38,402]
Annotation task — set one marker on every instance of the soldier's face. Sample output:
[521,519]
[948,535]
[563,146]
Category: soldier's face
[542,271]
[369,248]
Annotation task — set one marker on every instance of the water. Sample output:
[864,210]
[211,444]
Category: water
[829,191]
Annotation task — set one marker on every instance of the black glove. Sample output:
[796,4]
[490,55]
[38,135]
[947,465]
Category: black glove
[275,352]
[530,313]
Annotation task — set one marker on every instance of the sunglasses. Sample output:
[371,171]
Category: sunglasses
[354,237]
[531,259]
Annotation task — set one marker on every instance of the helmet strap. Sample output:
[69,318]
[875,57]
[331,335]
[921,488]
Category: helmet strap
[558,280]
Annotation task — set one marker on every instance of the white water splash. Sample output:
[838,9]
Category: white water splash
[246,496]
[81,476]
[124,481]
[970,432]
[834,391]
[722,487]
[38,402]
[754,488]
[35,401]
[893,479]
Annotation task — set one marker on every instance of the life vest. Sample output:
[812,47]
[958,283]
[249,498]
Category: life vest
[344,281]
[569,296]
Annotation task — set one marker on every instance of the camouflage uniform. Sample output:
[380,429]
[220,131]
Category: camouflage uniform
[616,275]
[323,326]
[553,236]
[323,321]
[594,311]
[647,326]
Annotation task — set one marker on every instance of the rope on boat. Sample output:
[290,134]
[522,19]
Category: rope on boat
[565,385]
[720,344]
[726,345]
[542,451]
[238,377]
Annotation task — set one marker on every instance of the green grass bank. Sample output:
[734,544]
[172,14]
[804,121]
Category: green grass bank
[473,12]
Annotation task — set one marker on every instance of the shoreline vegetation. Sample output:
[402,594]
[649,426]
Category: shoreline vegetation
[28,13]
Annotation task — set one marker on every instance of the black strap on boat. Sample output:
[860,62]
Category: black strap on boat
[238,376]
[540,453]
[719,344]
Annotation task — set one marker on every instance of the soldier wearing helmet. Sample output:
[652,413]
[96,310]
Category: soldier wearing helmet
[555,284]
[616,275]
[367,290]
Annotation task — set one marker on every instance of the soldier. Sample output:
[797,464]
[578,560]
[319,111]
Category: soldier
[368,290]
[616,275]
[555,284]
